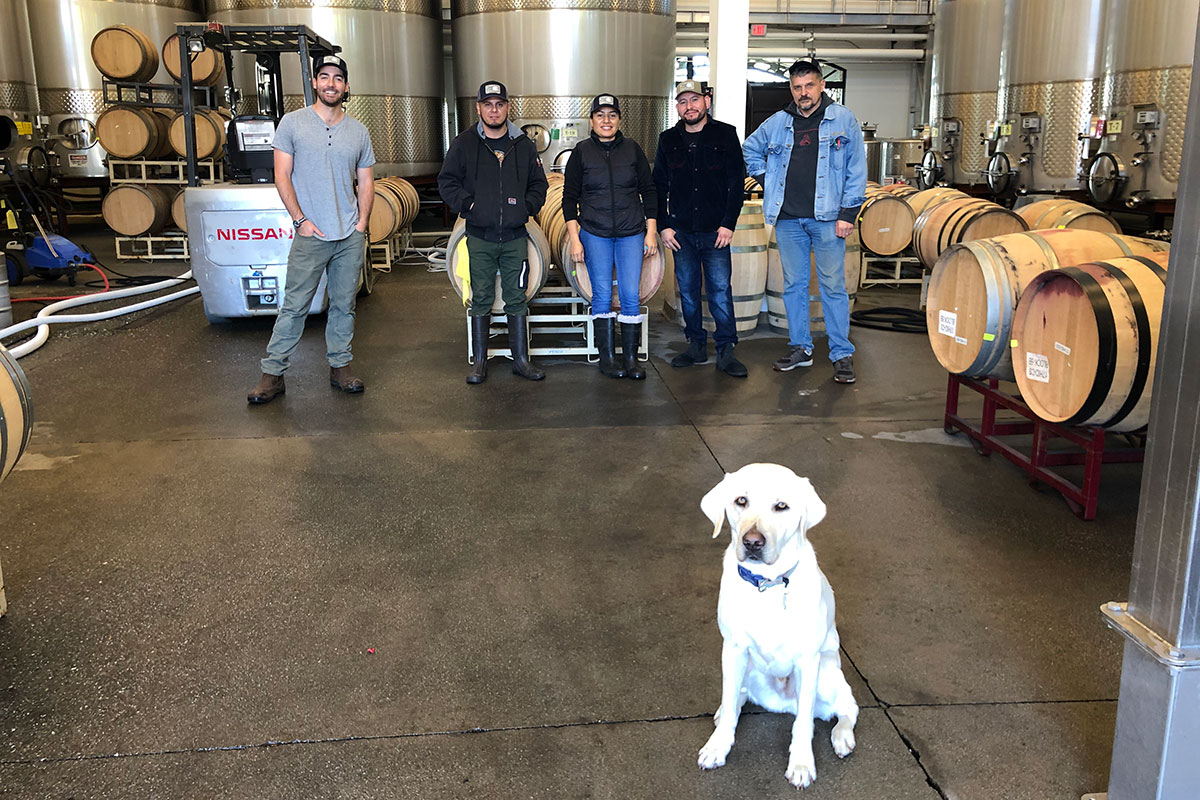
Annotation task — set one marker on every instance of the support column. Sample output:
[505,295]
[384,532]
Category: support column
[728,48]
[1158,714]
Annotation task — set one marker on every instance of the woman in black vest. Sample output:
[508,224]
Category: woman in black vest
[609,203]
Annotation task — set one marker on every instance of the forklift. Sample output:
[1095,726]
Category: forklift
[239,232]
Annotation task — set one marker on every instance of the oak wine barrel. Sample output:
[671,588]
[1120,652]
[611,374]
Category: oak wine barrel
[210,134]
[178,212]
[577,275]
[457,261]
[133,209]
[777,312]
[133,132]
[1084,341]
[922,200]
[748,280]
[16,412]
[975,286]
[208,66]
[125,54]
[1059,212]
[960,219]
[885,223]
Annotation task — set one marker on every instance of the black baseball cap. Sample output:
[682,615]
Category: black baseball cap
[492,89]
[330,61]
[606,101]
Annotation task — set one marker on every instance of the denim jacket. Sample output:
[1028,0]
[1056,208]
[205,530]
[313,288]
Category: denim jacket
[841,166]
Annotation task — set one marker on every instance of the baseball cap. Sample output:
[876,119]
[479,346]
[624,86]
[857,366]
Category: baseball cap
[330,61]
[689,86]
[606,101]
[492,89]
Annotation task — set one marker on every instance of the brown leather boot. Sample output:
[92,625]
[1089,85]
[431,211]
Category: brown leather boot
[269,387]
[341,378]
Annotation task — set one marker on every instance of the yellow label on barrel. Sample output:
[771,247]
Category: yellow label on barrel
[989,337]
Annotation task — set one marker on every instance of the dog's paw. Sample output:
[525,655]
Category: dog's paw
[801,774]
[843,740]
[712,755]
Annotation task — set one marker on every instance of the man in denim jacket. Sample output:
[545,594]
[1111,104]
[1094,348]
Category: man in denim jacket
[811,163]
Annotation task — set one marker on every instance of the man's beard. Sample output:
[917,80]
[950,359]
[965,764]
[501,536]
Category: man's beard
[335,103]
[692,118]
[498,126]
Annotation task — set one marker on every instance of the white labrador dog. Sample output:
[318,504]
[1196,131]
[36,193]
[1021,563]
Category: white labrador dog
[775,613]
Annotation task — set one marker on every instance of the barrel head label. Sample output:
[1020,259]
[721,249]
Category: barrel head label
[1037,367]
[960,340]
[947,323]
[1062,348]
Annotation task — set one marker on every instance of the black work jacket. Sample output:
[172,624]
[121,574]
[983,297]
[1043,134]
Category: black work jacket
[700,188]
[494,198]
[608,187]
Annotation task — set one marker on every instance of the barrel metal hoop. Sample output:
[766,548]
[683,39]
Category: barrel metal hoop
[1154,266]
[1106,328]
[750,248]
[989,357]
[1142,373]
[1121,243]
[24,398]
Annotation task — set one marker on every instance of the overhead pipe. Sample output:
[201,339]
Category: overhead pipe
[819,36]
[824,53]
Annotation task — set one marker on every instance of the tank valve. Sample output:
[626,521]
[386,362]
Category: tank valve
[1135,200]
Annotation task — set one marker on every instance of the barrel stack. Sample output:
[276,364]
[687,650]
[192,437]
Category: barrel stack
[976,288]
[145,137]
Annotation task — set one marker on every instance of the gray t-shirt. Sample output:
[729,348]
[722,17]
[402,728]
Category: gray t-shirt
[326,157]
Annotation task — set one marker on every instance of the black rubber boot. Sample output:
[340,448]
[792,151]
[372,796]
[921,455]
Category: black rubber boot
[480,327]
[605,328]
[518,342]
[631,338]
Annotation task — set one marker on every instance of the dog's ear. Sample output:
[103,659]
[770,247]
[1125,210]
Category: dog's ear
[814,506]
[713,504]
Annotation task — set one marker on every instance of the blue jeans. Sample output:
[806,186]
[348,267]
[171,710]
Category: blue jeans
[797,238]
[699,254]
[625,254]
[307,259]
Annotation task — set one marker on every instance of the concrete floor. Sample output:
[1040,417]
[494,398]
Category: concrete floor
[195,585]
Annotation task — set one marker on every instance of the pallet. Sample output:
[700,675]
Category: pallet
[989,435]
[560,324]
[164,247]
[168,172]
[385,253]
[889,269]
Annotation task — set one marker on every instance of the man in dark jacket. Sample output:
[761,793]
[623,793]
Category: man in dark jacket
[700,177]
[492,178]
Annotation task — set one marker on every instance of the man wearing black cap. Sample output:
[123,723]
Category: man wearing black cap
[492,178]
[701,178]
[320,153]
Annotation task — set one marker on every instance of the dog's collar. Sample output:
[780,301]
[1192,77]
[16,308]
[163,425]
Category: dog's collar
[761,582]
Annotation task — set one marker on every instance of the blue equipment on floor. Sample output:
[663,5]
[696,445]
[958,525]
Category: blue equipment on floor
[47,260]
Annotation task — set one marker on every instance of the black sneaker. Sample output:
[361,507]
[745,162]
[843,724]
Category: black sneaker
[843,370]
[799,357]
[697,353]
[727,363]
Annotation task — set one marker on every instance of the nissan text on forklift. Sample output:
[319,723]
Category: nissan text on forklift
[239,232]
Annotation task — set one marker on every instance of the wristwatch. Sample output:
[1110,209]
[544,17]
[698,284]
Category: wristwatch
[296,223]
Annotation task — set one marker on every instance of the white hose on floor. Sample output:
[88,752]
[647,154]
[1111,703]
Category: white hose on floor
[46,316]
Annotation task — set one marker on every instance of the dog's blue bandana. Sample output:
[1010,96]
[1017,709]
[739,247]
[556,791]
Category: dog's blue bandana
[761,582]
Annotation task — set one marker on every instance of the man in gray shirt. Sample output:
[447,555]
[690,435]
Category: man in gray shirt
[319,154]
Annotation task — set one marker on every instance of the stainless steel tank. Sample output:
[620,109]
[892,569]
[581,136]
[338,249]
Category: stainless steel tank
[393,49]
[1049,75]
[899,159]
[69,85]
[1143,100]
[556,55]
[965,76]
[18,87]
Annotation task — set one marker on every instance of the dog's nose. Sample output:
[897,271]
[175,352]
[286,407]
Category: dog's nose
[753,540]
